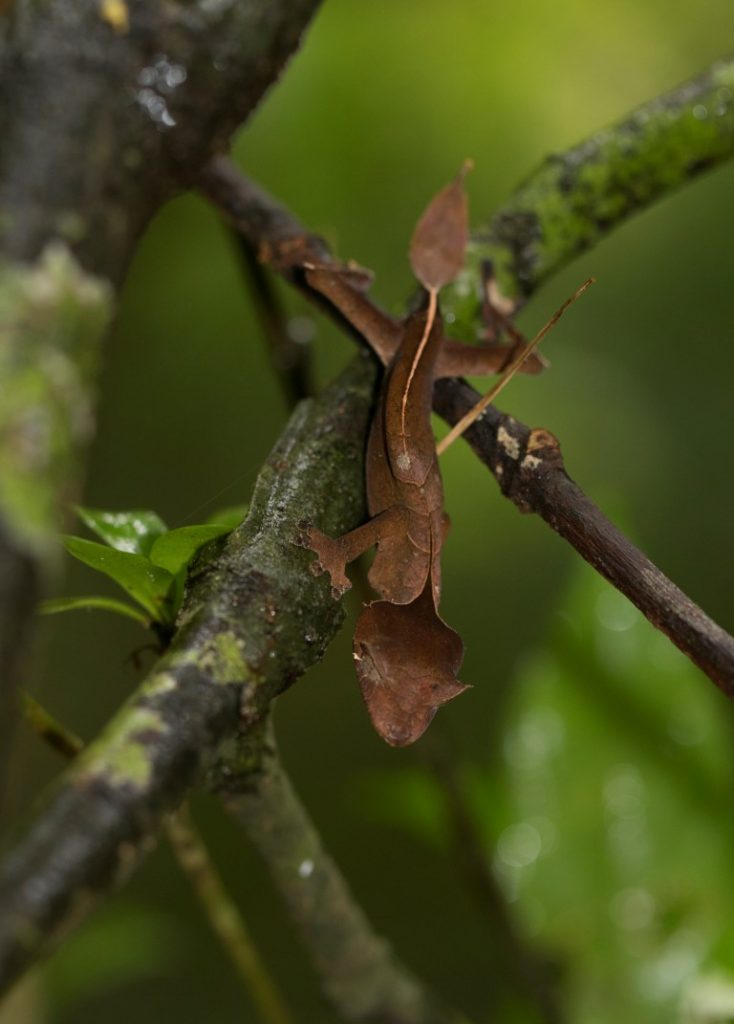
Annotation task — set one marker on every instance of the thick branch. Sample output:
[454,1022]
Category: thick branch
[102,118]
[358,971]
[254,619]
[101,122]
[527,464]
[193,858]
[575,198]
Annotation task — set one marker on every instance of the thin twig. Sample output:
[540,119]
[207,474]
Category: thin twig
[225,919]
[508,373]
[291,359]
[50,730]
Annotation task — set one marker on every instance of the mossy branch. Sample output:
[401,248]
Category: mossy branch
[148,95]
[253,620]
[193,858]
[576,197]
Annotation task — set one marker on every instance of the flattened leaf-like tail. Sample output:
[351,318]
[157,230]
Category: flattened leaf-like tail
[406,659]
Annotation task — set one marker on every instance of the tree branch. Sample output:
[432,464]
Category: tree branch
[254,619]
[526,463]
[358,971]
[289,357]
[101,121]
[139,106]
[529,468]
[193,858]
[575,198]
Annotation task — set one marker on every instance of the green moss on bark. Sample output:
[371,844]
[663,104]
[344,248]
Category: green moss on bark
[52,317]
[576,197]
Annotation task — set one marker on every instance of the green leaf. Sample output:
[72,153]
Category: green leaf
[174,550]
[231,516]
[121,946]
[147,583]
[133,532]
[108,604]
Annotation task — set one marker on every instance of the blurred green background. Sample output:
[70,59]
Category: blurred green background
[596,763]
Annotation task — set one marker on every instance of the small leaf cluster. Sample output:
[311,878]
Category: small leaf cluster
[145,558]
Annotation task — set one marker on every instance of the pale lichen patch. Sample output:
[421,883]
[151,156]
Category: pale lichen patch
[122,756]
[530,462]
[510,444]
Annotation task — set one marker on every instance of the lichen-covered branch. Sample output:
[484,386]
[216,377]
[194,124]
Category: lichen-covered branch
[253,620]
[527,464]
[578,196]
[193,858]
[358,971]
[105,112]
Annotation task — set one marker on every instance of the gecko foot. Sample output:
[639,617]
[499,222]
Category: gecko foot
[330,558]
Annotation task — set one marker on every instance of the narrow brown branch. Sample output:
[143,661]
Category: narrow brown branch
[271,229]
[529,468]
[526,463]
[290,358]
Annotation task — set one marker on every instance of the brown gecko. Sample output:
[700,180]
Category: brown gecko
[406,656]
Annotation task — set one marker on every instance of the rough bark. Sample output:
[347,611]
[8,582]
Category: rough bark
[105,111]
[253,620]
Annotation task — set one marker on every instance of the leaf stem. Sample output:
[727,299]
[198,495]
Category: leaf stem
[48,728]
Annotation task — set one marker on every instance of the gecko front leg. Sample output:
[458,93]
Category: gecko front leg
[335,553]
